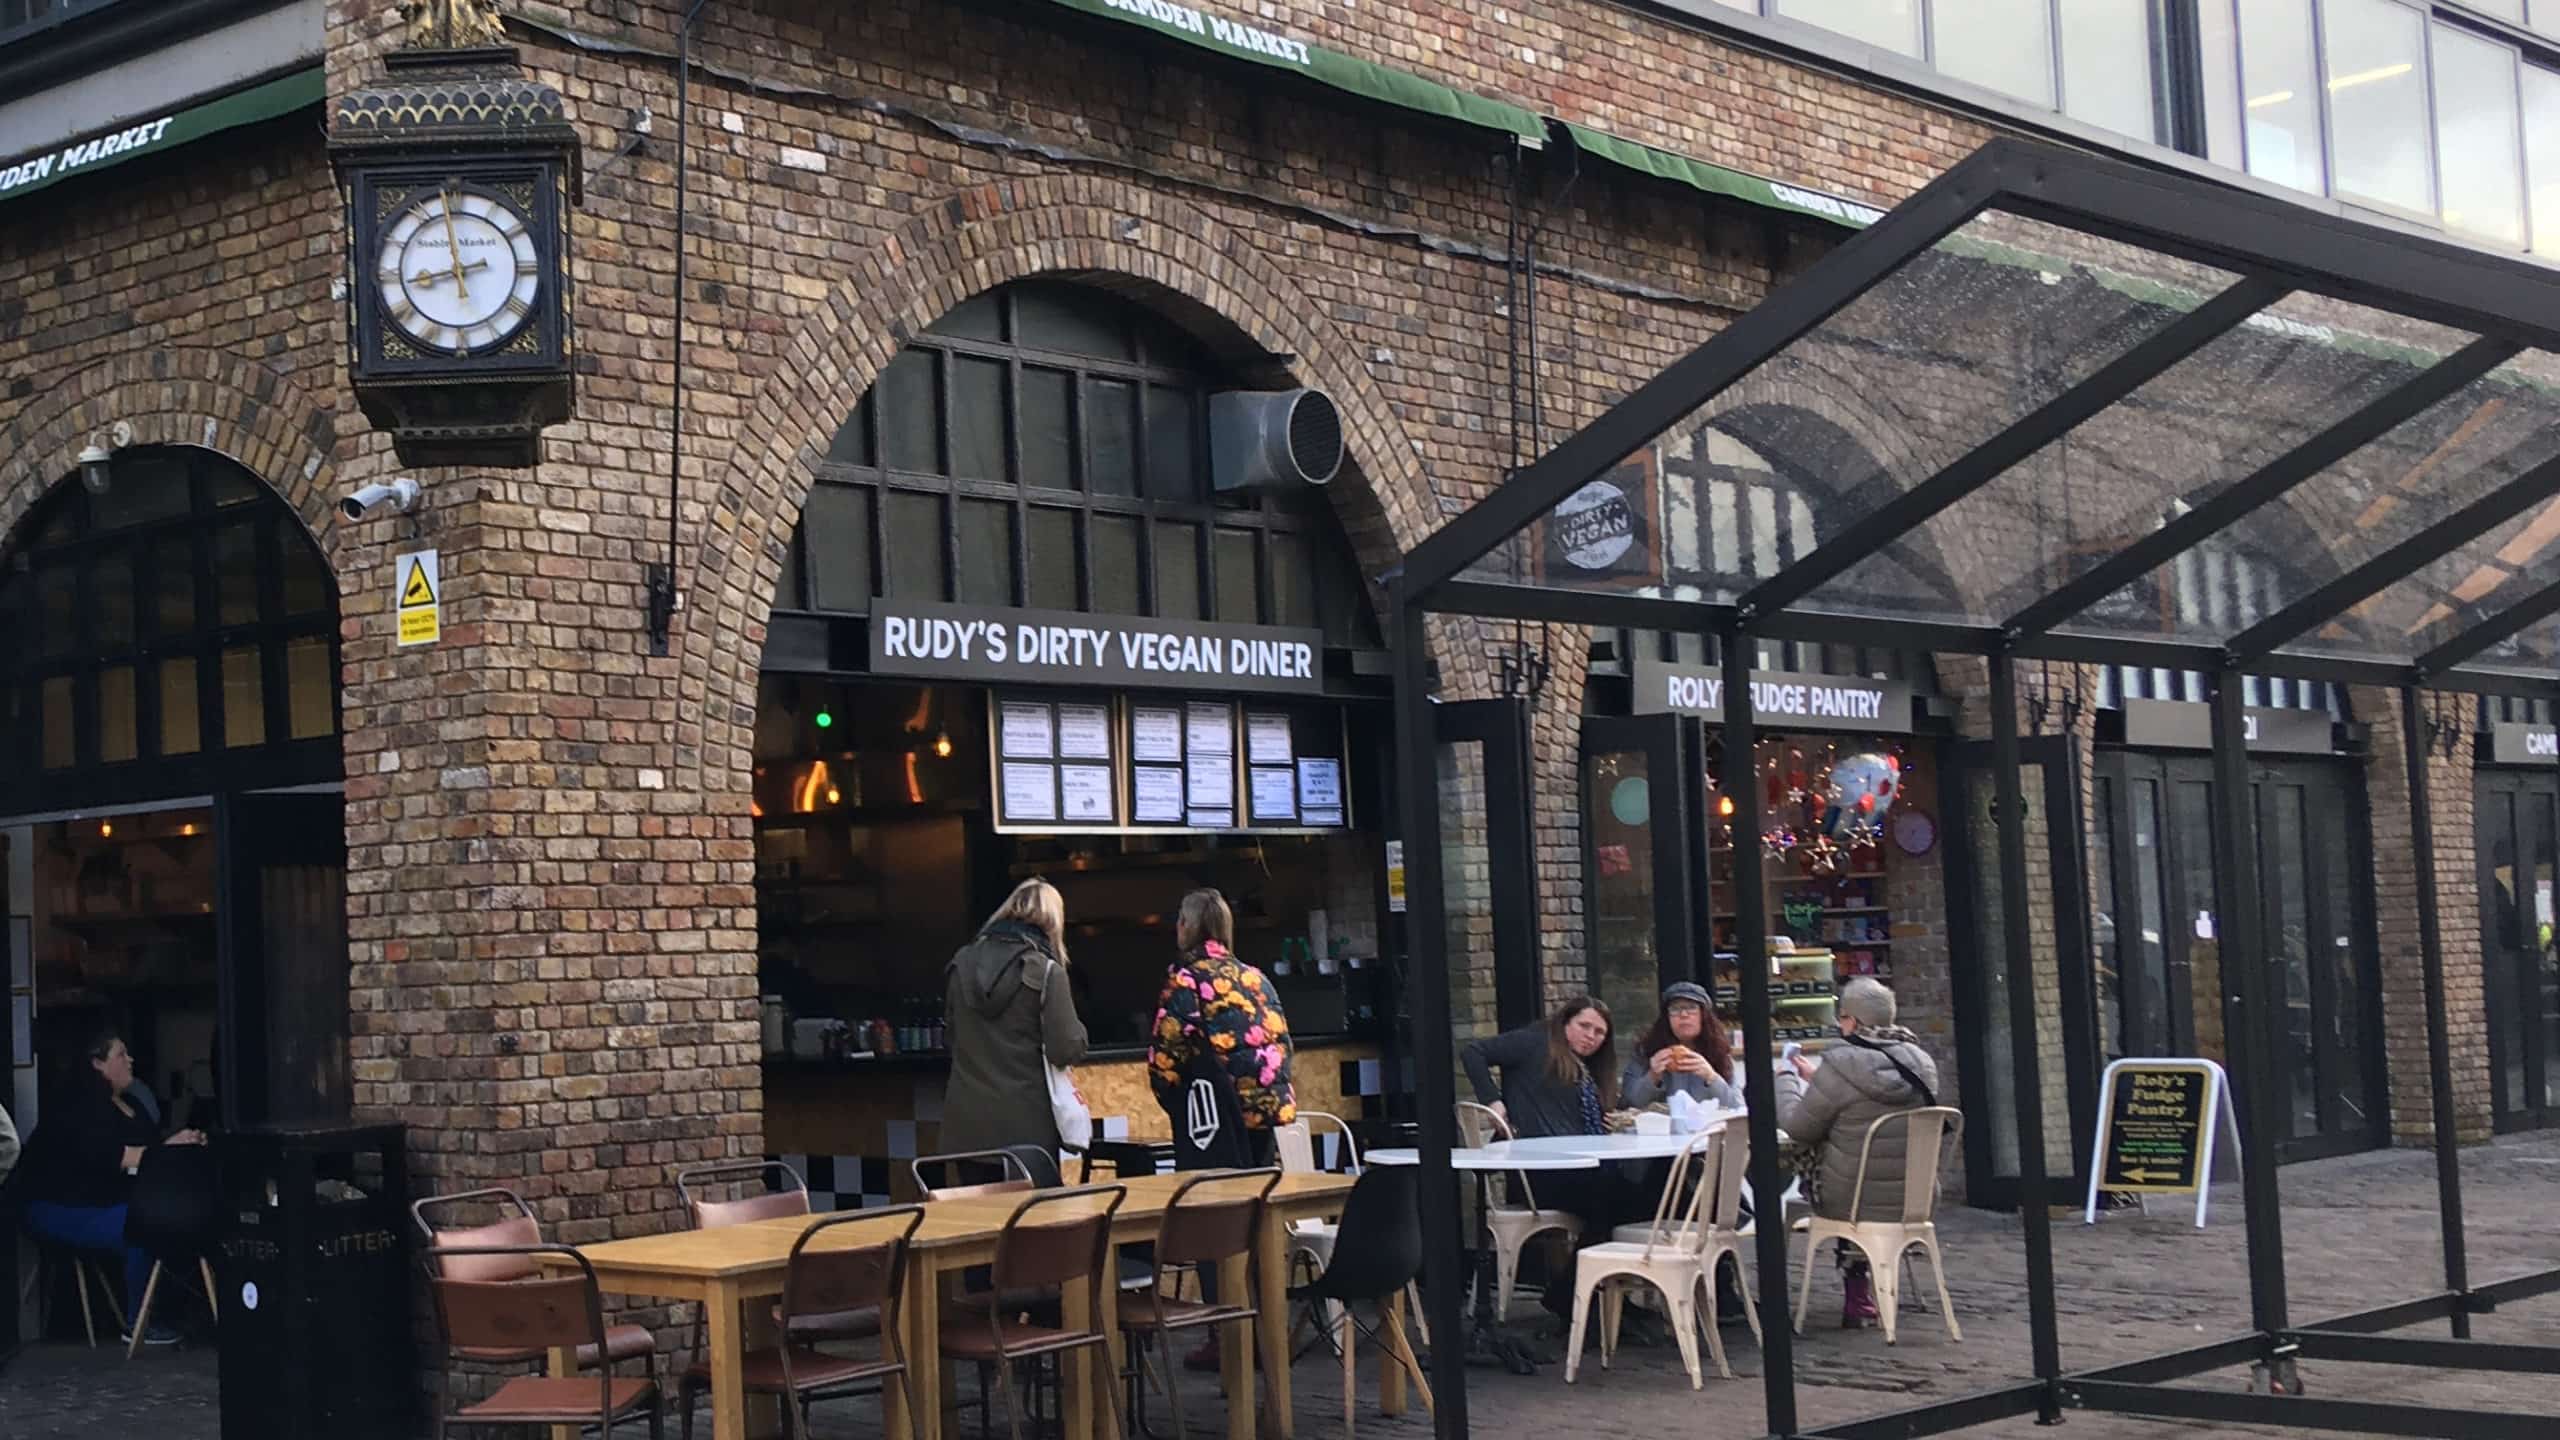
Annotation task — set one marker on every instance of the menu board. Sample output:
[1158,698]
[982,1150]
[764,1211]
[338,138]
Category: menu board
[1155,733]
[1319,791]
[1158,792]
[1274,795]
[1053,764]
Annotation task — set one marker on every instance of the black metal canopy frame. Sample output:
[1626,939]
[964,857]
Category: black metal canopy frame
[2136,379]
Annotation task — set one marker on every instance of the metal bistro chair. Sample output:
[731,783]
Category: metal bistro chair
[786,1195]
[1678,1257]
[1213,1230]
[1047,1255]
[823,1281]
[1886,1243]
[1014,1172]
[1512,1226]
[483,1316]
[483,1252]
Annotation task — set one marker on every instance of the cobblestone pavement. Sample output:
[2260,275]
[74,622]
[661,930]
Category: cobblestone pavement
[2361,1232]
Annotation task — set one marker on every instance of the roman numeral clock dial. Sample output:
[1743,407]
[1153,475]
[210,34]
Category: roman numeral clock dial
[457,271]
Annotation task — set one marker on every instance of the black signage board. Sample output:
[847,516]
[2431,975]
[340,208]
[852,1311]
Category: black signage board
[2157,1120]
[1779,700]
[2185,725]
[934,641]
[2511,743]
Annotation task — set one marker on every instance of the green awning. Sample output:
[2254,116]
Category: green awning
[1206,29]
[72,158]
[1717,180]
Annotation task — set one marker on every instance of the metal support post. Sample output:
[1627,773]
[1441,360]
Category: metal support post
[1759,1055]
[2246,1015]
[2422,840]
[2026,1079]
[1434,1055]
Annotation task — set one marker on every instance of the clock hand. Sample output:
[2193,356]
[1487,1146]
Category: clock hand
[452,246]
[429,277]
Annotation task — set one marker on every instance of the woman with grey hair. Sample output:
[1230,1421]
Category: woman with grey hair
[1827,1105]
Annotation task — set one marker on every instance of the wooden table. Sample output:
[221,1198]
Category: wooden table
[723,1269]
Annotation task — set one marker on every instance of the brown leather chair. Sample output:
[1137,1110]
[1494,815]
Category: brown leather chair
[785,1195]
[480,1317]
[1208,1228]
[1013,1172]
[1068,1245]
[493,1258]
[827,1277]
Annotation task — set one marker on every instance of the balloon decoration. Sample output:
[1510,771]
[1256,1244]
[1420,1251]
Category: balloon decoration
[1860,789]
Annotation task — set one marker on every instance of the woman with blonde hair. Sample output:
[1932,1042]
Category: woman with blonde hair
[1009,1011]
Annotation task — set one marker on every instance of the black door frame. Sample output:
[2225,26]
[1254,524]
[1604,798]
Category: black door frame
[2173,769]
[2058,760]
[1675,768]
[254,831]
[1502,728]
[2511,964]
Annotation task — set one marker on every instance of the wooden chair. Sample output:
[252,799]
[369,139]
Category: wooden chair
[86,1270]
[1213,1230]
[826,1278]
[1512,1222]
[480,1317]
[1886,1242]
[496,1252]
[1037,1253]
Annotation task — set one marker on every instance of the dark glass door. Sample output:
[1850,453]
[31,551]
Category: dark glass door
[1640,776]
[2515,813]
[2160,926]
[283,912]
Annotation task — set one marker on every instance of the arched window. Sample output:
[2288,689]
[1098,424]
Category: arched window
[1046,445]
[172,634]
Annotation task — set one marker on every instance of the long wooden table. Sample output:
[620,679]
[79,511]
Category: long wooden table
[726,1268]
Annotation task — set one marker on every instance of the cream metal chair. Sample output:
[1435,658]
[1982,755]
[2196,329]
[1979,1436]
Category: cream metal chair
[1512,1226]
[1684,1245]
[1886,1242]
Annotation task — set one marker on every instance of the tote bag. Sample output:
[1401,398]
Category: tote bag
[1066,1103]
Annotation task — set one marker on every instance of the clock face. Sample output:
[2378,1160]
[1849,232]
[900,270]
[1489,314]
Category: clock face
[458,271]
[1914,831]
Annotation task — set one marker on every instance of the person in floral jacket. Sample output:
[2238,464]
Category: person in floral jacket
[1220,1058]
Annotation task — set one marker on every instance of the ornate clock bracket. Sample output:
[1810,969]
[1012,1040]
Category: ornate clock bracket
[456,129]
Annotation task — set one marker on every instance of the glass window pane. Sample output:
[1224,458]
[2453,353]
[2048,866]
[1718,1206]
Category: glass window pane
[2106,65]
[1048,436]
[1178,570]
[1072,321]
[2476,141]
[978,419]
[790,589]
[233,486]
[116,728]
[306,579]
[2378,102]
[2503,9]
[2542,151]
[1053,559]
[835,539]
[1891,24]
[111,600]
[1239,593]
[914,545]
[2282,97]
[980,317]
[181,722]
[986,552]
[910,405]
[2545,16]
[59,752]
[2218,41]
[1173,431]
[173,586]
[1293,579]
[2004,44]
[1111,415]
[235,573]
[244,697]
[57,608]
[311,701]
[143,489]
[1115,564]
[852,442]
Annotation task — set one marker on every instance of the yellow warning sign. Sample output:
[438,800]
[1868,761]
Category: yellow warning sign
[421,607]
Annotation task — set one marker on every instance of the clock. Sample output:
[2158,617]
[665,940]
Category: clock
[1914,831]
[457,270]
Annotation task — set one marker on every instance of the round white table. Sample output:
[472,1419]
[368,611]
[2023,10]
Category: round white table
[1502,1155]
[1623,1145]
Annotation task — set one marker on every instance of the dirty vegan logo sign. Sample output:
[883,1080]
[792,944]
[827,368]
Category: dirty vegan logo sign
[961,642]
[1603,531]
[82,153]
[1217,27]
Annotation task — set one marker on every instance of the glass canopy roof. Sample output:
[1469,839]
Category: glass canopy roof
[2059,403]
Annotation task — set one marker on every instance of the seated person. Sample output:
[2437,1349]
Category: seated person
[77,1173]
[1827,1105]
[1685,1053]
[1560,1077]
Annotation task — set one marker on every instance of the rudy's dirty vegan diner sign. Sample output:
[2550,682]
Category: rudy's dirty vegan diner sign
[1778,700]
[1063,647]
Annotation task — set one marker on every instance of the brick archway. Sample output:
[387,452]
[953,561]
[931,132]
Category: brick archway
[203,398]
[1154,248]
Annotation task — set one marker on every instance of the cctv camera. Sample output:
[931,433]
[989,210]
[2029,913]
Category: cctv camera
[400,495]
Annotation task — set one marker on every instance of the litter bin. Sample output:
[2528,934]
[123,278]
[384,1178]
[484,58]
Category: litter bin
[314,1271]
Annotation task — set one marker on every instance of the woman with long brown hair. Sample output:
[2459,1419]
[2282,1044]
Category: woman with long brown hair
[1685,1053]
[1560,1077]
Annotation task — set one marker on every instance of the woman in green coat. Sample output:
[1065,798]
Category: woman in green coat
[1009,1011]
